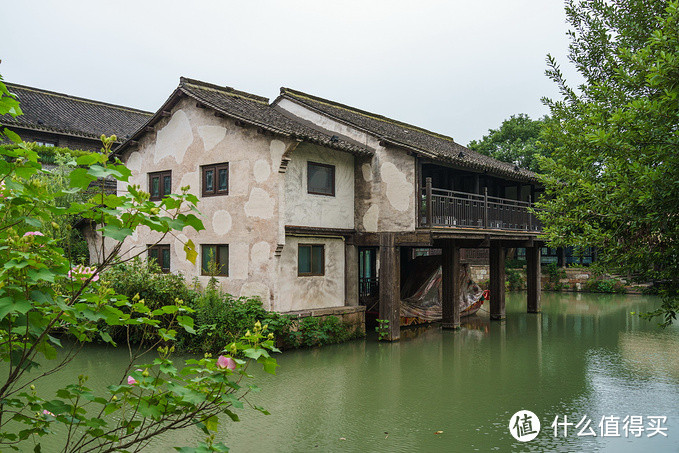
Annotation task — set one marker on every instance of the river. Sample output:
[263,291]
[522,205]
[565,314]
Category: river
[584,357]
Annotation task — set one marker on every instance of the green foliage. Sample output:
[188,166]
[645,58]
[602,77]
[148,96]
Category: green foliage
[382,329]
[317,331]
[554,274]
[601,285]
[612,178]
[50,154]
[516,141]
[42,297]
[515,279]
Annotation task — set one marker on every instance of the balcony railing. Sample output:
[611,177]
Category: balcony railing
[448,208]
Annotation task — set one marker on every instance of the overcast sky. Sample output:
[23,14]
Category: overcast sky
[454,67]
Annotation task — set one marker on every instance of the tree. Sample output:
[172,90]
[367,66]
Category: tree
[44,297]
[516,141]
[613,179]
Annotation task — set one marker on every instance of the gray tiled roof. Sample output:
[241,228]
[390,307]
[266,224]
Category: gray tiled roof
[60,113]
[436,146]
[254,110]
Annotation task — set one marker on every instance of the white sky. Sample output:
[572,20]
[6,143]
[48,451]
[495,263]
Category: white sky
[454,67]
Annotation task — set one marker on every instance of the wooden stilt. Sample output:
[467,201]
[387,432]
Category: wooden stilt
[533,279]
[451,288]
[390,285]
[497,282]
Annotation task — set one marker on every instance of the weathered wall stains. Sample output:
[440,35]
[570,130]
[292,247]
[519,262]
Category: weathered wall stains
[260,254]
[134,161]
[262,170]
[257,289]
[221,222]
[251,240]
[367,171]
[190,179]
[399,189]
[305,209]
[174,139]
[211,136]
[276,150]
[299,293]
[260,204]
[371,218]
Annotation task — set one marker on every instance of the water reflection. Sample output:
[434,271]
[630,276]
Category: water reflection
[584,354]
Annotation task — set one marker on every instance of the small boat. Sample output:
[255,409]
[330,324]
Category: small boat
[424,305]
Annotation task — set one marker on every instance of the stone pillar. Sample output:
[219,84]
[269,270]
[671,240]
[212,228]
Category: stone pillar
[451,289]
[497,282]
[350,275]
[390,285]
[533,277]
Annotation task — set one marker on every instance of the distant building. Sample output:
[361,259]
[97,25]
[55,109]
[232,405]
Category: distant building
[56,119]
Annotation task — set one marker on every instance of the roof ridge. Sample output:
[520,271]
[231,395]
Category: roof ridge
[376,116]
[223,89]
[75,98]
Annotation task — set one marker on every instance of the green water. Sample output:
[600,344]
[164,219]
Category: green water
[583,355]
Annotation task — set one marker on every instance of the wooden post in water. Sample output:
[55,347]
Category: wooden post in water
[497,281]
[533,279]
[451,289]
[390,285]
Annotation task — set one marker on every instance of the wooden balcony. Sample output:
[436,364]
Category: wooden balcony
[448,208]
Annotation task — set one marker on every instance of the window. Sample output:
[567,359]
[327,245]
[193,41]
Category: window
[161,255]
[160,184]
[320,179]
[310,259]
[215,260]
[46,143]
[215,179]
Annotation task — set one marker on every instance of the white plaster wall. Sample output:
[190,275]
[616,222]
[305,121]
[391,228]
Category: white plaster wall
[305,209]
[385,192]
[385,198]
[247,219]
[301,293]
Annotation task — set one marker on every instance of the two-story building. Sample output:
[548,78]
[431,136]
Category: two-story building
[312,205]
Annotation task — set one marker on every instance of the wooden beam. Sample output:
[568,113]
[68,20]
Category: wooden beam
[497,282]
[200,105]
[165,113]
[533,274]
[220,115]
[451,288]
[150,129]
[390,285]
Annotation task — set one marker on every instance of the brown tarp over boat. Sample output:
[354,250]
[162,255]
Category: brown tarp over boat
[423,304]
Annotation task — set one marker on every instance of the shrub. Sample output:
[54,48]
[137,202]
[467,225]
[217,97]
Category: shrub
[600,285]
[515,279]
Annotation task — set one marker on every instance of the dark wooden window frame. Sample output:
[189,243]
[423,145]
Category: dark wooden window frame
[215,184]
[160,175]
[311,263]
[222,266]
[308,178]
[159,248]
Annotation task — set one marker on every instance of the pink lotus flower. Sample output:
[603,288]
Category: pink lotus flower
[46,412]
[33,233]
[83,273]
[226,363]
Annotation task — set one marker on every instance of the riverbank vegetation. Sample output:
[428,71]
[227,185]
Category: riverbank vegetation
[218,317]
